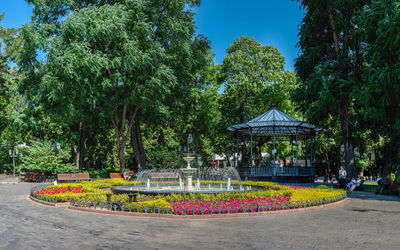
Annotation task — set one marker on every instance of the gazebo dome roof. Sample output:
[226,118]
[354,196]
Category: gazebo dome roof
[275,123]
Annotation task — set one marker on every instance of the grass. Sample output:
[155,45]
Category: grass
[369,187]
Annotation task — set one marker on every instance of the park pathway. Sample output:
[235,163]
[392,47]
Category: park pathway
[366,222]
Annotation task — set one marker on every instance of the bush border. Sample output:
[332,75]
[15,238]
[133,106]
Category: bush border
[209,216]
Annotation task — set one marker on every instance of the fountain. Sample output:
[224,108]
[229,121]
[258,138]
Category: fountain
[167,181]
[148,185]
[189,171]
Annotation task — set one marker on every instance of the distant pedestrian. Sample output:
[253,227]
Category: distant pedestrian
[326,178]
[330,175]
[140,168]
[342,177]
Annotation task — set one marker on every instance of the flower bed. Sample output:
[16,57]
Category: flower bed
[297,187]
[275,197]
[59,190]
[230,206]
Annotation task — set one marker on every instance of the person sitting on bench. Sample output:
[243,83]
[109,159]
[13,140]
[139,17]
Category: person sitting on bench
[351,183]
[383,186]
[126,175]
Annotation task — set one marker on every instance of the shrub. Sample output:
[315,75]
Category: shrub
[102,173]
[226,196]
[315,194]
[40,157]
[149,206]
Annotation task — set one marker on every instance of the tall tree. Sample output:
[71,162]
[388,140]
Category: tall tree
[380,97]
[254,78]
[115,58]
[6,38]
[330,66]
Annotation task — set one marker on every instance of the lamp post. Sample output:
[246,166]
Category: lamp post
[57,147]
[13,153]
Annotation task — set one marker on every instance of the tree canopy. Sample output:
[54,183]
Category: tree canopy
[122,83]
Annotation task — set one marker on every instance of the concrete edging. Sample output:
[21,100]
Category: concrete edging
[50,204]
[208,216]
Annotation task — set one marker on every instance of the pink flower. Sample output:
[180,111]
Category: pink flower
[231,206]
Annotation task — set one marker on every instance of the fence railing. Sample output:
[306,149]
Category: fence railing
[281,171]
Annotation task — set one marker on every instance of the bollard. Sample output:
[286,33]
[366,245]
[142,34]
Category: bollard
[108,200]
[69,188]
[130,197]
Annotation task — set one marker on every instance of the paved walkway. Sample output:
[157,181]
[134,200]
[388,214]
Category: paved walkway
[8,179]
[366,222]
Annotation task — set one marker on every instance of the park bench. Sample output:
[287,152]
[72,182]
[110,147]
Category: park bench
[73,177]
[32,177]
[116,175]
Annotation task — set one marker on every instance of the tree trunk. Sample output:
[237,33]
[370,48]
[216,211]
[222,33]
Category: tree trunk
[388,158]
[79,149]
[334,34]
[121,146]
[137,144]
[244,152]
[349,159]
[123,126]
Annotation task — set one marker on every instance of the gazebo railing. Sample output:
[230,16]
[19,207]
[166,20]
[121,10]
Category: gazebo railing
[281,171]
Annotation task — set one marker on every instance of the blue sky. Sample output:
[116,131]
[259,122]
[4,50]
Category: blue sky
[272,22]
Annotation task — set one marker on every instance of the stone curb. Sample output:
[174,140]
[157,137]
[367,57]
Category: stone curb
[50,204]
[209,216]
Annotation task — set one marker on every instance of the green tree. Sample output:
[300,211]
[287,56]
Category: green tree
[120,60]
[254,79]
[380,97]
[6,38]
[330,67]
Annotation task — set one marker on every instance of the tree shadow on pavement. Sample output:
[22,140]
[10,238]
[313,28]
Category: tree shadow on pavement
[372,196]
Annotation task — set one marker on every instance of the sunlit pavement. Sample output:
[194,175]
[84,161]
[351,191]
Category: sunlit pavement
[368,221]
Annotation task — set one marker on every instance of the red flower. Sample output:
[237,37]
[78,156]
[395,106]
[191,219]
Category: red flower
[52,191]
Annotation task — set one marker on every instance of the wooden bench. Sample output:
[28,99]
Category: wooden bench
[32,176]
[73,177]
[116,175]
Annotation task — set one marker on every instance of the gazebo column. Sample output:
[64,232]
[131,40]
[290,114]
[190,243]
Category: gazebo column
[312,160]
[251,148]
[306,152]
[292,153]
[273,142]
[236,156]
[297,148]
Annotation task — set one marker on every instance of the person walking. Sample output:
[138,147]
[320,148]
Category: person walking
[342,177]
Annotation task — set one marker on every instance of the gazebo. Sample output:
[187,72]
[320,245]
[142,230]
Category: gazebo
[274,126]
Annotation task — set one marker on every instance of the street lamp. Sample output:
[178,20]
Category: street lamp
[13,153]
[57,147]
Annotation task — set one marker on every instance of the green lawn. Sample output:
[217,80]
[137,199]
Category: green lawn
[372,187]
